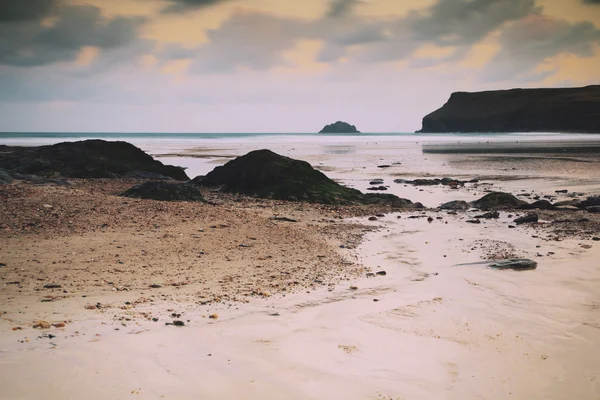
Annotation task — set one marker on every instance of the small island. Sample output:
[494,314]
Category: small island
[340,127]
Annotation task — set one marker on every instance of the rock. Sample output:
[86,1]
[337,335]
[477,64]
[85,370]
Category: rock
[370,275]
[178,323]
[429,219]
[384,166]
[59,325]
[155,286]
[5,177]
[148,175]
[497,200]
[489,215]
[85,159]
[532,217]
[511,227]
[41,325]
[381,273]
[372,218]
[596,239]
[574,202]
[376,182]
[353,287]
[165,191]
[561,191]
[284,219]
[339,127]
[540,204]
[377,188]
[473,221]
[452,213]
[517,264]
[213,316]
[2,265]
[593,209]
[519,110]
[52,286]
[265,174]
[590,201]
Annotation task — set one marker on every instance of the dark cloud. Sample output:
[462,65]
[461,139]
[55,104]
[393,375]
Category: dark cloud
[29,43]
[249,40]
[25,10]
[341,8]
[527,44]
[464,22]
[181,6]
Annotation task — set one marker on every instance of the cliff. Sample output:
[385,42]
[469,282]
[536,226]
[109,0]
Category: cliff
[339,127]
[519,110]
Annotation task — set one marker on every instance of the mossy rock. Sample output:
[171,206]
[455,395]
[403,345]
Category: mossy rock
[165,191]
[498,200]
[265,174]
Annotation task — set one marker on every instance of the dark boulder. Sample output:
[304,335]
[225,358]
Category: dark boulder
[593,209]
[540,205]
[339,127]
[265,174]
[165,191]
[496,200]
[456,205]
[590,201]
[529,218]
[85,159]
[489,215]
[516,264]
[5,177]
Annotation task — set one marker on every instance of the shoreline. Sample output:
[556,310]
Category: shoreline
[427,328]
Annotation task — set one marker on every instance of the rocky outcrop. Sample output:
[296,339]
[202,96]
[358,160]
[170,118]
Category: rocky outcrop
[165,191]
[519,110]
[265,174]
[85,159]
[455,205]
[339,127]
[495,200]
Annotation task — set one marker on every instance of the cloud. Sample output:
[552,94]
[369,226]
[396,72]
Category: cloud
[341,8]
[465,22]
[29,43]
[25,10]
[181,6]
[531,43]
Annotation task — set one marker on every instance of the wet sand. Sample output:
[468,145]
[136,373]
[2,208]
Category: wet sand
[427,329]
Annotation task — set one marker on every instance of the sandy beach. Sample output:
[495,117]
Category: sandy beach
[274,308]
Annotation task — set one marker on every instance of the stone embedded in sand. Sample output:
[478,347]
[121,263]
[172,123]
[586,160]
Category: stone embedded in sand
[590,202]
[165,191]
[497,200]
[455,205]
[532,217]
[265,174]
[517,264]
[473,221]
[213,316]
[178,323]
[489,215]
[41,325]
[593,209]
[52,286]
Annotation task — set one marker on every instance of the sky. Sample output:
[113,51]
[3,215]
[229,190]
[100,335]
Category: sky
[277,65]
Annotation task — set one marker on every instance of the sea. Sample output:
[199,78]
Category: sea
[352,159]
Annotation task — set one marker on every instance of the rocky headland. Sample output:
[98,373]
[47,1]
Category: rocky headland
[519,110]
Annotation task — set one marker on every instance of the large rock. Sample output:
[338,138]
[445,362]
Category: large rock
[516,264]
[540,205]
[5,177]
[496,200]
[519,110]
[589,202]
[456,205]
[265,174]
[165,191]
[532,217]
[339,127]
[85,159]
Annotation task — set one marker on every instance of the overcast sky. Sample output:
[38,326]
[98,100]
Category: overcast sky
[277,65]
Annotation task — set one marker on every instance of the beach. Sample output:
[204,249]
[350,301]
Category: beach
[284,300]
